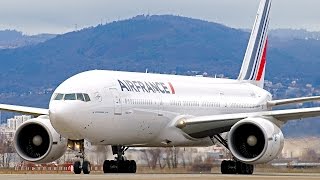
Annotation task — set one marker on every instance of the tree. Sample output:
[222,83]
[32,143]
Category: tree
[172,156]
[152,157]
[101,153]
[6,150]
[2,150]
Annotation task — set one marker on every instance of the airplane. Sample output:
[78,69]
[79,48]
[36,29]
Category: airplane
[130,109]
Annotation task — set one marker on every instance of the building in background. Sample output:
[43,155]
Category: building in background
[16,121]
[304,149]
[12,124]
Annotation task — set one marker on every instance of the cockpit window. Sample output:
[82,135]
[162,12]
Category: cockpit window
[70,96]
[86,97]
[58,96]
[80,97]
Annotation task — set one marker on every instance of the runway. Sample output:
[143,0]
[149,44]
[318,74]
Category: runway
[282,176]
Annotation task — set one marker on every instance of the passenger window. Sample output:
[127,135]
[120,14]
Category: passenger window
[70,97]
[58,96]
[86,97]
[80,97]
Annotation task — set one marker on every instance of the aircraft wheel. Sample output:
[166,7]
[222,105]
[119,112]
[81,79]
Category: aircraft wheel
[86,167]
[77,167]
[132,166]
[106,166]
[228,167]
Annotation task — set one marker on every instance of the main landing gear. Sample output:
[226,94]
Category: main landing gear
[82,165]
[236,167]
[120,164]
[233,166]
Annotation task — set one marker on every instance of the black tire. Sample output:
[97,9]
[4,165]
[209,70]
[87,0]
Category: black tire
[223,167]
[249,169]
[123,166]
[241,167]
[77,167]
[231,167]
[106,166]
[113,167]
[132,166]
[86,167]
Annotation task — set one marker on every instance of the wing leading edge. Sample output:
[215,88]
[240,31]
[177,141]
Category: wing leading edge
[204,126]
[281,102]
[24,109]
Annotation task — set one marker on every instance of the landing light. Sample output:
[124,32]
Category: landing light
[77,146]
[181,124]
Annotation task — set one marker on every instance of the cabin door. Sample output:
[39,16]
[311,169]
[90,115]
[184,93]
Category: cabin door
[116,101]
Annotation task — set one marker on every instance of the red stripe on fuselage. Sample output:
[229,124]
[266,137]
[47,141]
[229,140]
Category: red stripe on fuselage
[171,87]
[263,62]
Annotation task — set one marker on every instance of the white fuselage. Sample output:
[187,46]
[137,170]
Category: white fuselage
[139,109]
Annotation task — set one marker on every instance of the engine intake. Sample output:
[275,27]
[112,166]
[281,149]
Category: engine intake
[36,141]
[27,137]
[255,140]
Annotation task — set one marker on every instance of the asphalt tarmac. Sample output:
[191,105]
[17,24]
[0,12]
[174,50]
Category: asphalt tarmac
[273,176]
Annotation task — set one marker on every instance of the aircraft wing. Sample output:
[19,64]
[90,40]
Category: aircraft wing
[204,126]
[24,109]
[292,100]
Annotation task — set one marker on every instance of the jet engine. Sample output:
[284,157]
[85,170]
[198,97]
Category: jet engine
[255,140]
[37,141]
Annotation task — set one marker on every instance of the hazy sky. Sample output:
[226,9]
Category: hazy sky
[58,16]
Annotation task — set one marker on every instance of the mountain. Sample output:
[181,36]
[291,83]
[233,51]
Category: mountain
[15,39]
[302,128]
[165,44]
[290,34]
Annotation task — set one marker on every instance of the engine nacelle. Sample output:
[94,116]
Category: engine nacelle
[37,141]
[255,140]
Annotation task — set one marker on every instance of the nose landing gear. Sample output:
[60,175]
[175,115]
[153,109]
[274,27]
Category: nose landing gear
[119,165]
[82,165]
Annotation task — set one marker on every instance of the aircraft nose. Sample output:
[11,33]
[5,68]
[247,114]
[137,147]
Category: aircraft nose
[62,118]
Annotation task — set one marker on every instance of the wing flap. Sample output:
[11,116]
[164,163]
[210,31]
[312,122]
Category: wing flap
[24,109]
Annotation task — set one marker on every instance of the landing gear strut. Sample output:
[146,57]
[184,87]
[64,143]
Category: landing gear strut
[233,166]
[120,164]
[82,165]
